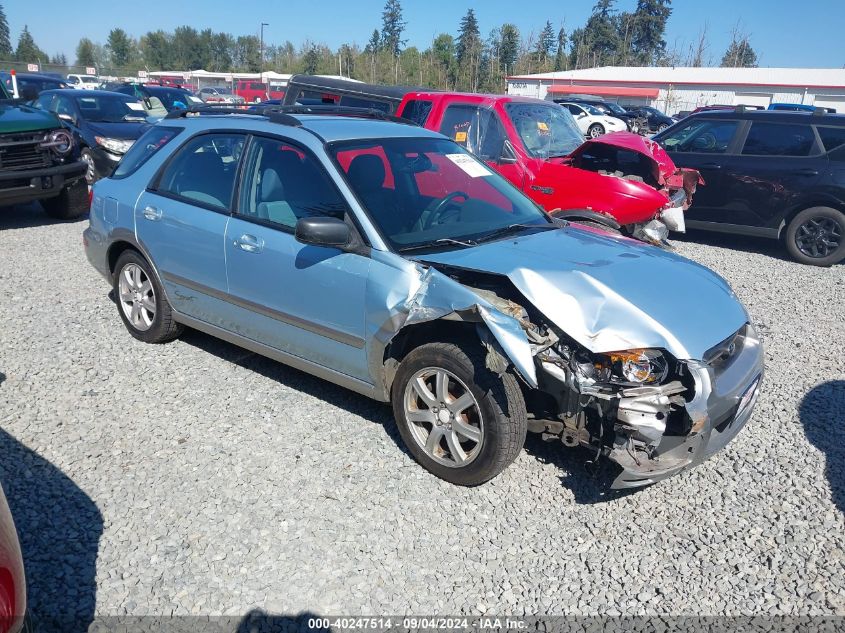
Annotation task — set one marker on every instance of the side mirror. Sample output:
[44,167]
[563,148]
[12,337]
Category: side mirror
[323,231]
[581,115]
[67,117]
[508,155]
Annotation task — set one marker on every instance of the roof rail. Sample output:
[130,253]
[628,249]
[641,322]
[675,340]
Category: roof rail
[285,114]
[820,111]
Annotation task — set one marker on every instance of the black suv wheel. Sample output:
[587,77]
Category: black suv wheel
[816,236]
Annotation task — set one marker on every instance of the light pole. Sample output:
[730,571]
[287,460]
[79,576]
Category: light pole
[261,64]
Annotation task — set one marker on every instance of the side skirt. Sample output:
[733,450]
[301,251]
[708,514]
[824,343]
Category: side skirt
[325,373]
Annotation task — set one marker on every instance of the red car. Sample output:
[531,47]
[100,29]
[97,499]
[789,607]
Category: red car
[619,180]
[12,580]
[256,91]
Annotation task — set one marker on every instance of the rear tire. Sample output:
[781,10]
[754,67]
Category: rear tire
[140,299]
[816,236]
[91,175]
[70,204]
[468,430]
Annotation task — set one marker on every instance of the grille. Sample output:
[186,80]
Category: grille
[23,151]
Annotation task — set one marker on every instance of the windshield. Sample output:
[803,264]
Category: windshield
[87,79]
[615,108]
[172,98]
[591,109]
[545,130]
[431,193]
[223,91]
[104,108]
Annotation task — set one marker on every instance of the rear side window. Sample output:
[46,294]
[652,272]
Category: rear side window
[417,110]
[832,137]
[349,101]
[203,170]
[774,139]
[143,149]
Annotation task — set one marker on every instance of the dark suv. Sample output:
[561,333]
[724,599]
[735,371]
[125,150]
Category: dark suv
[773,174]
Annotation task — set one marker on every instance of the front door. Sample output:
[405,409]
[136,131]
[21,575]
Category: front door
[304,300]
[181,222]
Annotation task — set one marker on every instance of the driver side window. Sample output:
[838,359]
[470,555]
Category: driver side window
[702,137]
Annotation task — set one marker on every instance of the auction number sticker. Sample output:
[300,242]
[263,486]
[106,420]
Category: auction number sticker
[135,106]
[471,166]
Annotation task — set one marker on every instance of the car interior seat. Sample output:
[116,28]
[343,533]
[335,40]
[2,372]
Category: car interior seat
[277,169]
[367,174]
[204,178]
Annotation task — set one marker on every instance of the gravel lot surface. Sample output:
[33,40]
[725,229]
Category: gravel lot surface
[196,477]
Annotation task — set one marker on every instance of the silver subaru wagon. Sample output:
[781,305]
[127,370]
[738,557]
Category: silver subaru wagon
[384,258]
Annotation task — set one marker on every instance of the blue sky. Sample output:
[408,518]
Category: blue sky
[784,33]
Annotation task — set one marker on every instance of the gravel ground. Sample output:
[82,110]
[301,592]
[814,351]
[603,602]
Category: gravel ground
[196,477]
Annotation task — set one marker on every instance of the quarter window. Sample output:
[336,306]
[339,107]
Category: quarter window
[775,139]
[142,150]
[832,137]
[203,170]
[283,184]
[417,110]
[703,136]
[478,129]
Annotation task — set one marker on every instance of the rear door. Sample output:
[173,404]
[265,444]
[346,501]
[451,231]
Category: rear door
[707,145]
[778,164]
[181,221]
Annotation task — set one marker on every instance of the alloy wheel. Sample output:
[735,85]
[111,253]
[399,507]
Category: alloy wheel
[137,297]
[444,417]
[819,237]
[90,170]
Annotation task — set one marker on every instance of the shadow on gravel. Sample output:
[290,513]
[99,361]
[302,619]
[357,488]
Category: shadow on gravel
[352,402]
[258,621]
[746,243]
[59,528]
[588,487]
[822,413]
[28,216]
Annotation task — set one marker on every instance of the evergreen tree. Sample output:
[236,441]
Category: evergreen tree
[443,53]
[739,53]
[392,27]
[120,48]
[59,59]
[468,50]
[561,63]
[649,27]
[600,37]
[155,48]
[5,38]
[85,52]
[509,48]
[545,43]
[27,50]
[311,60]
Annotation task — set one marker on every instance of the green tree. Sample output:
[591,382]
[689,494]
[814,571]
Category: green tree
[5,37]
[443,54]
[220,52]
[561,62]
[59,59]
[120,48]
[597,43]
[27,50]
[392,26]
[186,49]
[468,51]
[509,49]
[155,48]
[85,52]
[649,27]
[740,54]
[545,43]
[311,60]
[247,55]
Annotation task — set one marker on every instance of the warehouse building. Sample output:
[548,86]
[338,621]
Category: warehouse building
[674,89]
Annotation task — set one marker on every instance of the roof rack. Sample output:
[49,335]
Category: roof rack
[285,114]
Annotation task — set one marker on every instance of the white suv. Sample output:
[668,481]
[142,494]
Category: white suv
[592,122]
[83,82]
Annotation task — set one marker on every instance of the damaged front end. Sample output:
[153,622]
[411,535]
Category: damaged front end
[644,409]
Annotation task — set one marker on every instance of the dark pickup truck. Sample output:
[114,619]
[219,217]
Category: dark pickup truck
[38,162]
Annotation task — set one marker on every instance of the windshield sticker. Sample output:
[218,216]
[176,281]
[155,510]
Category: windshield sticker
[135,106]
[469,165]
[460,137]
[542,126]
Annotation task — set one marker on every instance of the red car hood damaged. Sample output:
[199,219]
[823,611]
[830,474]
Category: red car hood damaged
[664,172]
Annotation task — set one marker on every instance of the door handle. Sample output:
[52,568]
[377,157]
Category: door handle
[711,166]
[249,243]
[152,214]
[807,171]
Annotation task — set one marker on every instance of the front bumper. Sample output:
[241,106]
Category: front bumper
[104,161]
[37,184]
[725,395]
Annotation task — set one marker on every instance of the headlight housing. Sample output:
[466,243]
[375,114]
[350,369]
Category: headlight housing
[636,366]
[60,141]
[114,145]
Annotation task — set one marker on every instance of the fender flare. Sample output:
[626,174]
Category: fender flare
[586,214]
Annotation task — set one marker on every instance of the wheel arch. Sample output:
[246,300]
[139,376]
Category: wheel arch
[122,241]
[817,200]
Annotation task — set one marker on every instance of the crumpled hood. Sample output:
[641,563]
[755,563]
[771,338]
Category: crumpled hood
[611,293]
[635,143]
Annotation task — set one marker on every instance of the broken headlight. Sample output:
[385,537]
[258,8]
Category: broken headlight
[637,366]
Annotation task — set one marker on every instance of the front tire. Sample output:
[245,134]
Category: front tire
[460,421]
[595,130]
[816,236]
[70,204]
[141,303]
[91,175]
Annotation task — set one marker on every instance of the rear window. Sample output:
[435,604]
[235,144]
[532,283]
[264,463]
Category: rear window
[142,150]
[832,137]
[349,101]
[417,110]
[774,139]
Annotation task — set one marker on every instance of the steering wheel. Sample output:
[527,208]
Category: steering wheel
[434,211]
[705,142]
